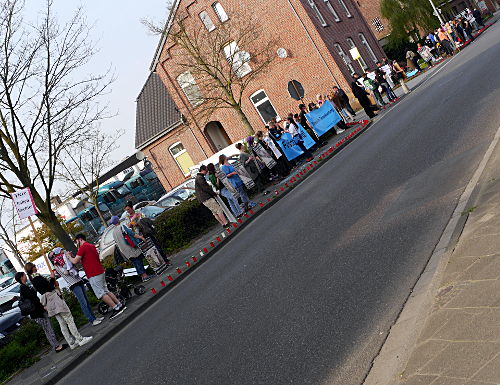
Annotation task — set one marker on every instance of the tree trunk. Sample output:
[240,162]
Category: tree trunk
[49,218]
[99,212]
[244,120]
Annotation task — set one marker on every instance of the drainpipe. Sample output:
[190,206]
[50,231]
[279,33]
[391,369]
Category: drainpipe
[187,108]
[313,43]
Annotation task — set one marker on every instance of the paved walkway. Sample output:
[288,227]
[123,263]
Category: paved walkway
[460,343]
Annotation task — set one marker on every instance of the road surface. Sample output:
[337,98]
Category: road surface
[307,292]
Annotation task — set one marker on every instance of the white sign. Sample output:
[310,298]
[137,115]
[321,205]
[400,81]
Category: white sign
[354,53]
[24,203]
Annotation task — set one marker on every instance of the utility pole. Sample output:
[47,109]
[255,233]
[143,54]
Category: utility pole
[436,12]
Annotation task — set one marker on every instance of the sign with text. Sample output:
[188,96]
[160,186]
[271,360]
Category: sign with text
[323,119]
[24,203]
[289,144]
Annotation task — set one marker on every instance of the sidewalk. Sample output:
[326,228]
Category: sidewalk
[460,342]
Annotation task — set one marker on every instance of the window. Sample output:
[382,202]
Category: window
[368,48]
[377,23]
[220,12]
[207,21]
[238,59]
[332,10]
[137,183]
[318,13]
[342,4]
[190,88]
[263,106]
[181,157]
[361,61]
[345,58]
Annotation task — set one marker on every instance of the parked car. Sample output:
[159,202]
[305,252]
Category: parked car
[107,243]
[10,314]
[13,288]
[140,205]
[169,201]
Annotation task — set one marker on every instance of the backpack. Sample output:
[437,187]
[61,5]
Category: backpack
[128,239]
[26,306]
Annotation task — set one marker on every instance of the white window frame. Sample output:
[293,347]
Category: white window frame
[262,102]
[236,58]
[332,10]
[363,40]
[207,21]
[347,60]
[343,5]
[190,84]
[361,61]
[318,13]
[220,12]
[177,155]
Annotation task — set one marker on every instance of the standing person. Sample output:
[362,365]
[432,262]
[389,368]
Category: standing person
[412,59]
[38,313]
[250,163]
[206,196]
[283,167]
[304,123]
[235,181]
[372,85]
[344,100]
[88,256]
[362,95]
[380,78]
[293,130]
[335,100]
[127,242]
[425,52]
[432,38]
[215,179]
[466,25]
[144,227]
[478,16]
[472,20]
[51,299]
[445,42]
[66,270]
[400,76]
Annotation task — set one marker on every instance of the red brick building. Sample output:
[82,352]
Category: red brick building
[314,37]
[370,10]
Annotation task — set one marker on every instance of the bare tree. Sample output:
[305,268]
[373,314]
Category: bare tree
[46,104]
[8,228]
[220,64]
[85,162]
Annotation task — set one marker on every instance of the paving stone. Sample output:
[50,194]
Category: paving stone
[448,381]
[419,380]
[464,326]
[456,266]
[473,247]
[489,373]
[461,359]
[475,294]
[487,267]
[423,354]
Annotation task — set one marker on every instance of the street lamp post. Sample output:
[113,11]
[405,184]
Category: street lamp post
[436,12]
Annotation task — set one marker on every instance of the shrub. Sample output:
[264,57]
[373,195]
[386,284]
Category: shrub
[176,228]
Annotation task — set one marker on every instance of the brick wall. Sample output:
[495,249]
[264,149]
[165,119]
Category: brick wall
[310,61]
[371,11]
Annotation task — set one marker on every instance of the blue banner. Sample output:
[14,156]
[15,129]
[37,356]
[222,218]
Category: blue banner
[323,119]
[289,144]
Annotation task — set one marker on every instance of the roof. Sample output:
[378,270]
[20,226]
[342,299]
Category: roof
[156,112]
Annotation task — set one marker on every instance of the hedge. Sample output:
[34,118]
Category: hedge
[176,228]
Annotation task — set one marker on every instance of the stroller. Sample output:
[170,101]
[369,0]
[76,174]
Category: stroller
[115,280]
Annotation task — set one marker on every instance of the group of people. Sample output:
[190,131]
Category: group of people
[51,302]
[262,161]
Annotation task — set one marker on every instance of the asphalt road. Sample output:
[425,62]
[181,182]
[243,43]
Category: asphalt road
[306,293]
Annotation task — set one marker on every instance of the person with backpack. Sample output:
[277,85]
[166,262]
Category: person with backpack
[127,242]
[67,271]
[51,299]
[30,305]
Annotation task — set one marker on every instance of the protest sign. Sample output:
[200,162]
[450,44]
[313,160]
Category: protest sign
[243,174]
[289,144]
[24,203]
[264,155]
[323,119]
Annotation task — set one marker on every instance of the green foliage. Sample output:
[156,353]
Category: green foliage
[43,240]
[176,228]
[407,17]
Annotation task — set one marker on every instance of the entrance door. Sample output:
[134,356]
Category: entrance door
[217,136]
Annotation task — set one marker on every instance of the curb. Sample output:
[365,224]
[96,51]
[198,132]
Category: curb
[397,348]
[172,279]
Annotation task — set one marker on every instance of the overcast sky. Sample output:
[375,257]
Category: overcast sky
[126,46]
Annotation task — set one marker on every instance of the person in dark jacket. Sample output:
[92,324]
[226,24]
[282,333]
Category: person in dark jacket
[39,315]
[146,228]
[478,16]
[206,195]
[362,95]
